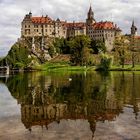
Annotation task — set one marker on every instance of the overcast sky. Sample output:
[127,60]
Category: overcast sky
[12,12]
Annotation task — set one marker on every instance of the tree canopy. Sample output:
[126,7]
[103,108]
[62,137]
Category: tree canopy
[121,49]
[98,46]
[80,50]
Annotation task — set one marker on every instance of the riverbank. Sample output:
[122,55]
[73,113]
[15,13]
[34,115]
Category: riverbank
[65,66]
[125,68]
[62,66]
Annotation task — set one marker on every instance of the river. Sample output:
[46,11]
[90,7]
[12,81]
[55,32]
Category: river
[70,106]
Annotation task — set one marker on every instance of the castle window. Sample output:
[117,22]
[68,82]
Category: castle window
[25,26]
[28,31]
[36,26]
[29,26]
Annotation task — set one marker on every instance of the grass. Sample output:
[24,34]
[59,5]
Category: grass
[65,66]
[62,66]
[126,68]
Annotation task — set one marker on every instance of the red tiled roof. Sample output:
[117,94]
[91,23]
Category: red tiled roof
[77,25]
[105,25]
[41,19]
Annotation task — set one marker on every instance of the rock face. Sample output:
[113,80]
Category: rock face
[28,52]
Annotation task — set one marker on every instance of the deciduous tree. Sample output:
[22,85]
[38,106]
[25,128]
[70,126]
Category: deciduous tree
[80,50]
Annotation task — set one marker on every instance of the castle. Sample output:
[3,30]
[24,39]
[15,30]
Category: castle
[47,27]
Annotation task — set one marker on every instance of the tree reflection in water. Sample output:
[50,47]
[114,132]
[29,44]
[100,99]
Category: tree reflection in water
[45,98]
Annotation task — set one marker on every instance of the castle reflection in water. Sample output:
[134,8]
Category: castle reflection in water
[45,98]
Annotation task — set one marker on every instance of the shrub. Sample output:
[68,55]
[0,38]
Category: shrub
[105,63]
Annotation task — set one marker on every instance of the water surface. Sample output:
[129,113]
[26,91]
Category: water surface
[70,106]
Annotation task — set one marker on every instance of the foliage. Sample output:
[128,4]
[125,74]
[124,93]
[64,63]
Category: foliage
[134,47]
[18,56]
[121,49]
[52,50]
[80,50]
[62,46]
[98,46]
[105,63]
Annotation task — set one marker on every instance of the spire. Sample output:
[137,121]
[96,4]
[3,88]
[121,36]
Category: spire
[30,13]
[90,13]
[90,16]
[133,23]
[90,9]
[133,28]
[90,3]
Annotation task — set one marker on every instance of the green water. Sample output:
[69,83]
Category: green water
[70,106]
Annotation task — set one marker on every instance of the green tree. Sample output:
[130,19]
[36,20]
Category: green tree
[134,50]
[52,50]
[62,45]
[18,56]
[121,49]
[98,46]
[105,63]
[80,50]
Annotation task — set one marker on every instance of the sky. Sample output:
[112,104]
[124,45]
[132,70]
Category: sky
[12,12]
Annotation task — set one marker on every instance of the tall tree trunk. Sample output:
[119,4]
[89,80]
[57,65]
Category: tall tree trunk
[133,60]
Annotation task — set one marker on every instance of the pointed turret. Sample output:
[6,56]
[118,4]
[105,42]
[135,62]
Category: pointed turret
[90,17]
[90,13]
[133,24]
[30,14]
[133,29]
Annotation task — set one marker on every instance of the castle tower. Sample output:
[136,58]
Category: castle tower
[30,14]
[133,29]
[90,17]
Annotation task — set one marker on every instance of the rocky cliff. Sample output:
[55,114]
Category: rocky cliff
[29,52]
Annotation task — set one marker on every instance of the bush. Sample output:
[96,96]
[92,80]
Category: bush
[105,63]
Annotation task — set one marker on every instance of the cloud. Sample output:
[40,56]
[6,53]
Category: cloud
[12,12]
